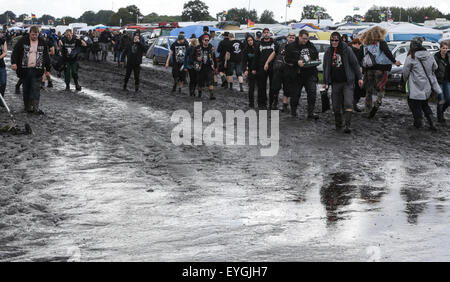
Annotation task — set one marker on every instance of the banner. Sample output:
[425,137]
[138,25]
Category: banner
[33,16]
[250,23]
[289,3]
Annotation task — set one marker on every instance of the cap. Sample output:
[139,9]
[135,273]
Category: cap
[258,34]
[181,37]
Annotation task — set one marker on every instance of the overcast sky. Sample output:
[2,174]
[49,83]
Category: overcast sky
[338,9]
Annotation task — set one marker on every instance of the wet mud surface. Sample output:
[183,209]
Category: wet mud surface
[101,180]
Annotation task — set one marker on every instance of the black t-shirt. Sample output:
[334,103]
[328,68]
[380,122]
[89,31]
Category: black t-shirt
[2,44]
[179,52]
[71,48]
[337,67]
[222,48]
[266,48]
[206,54]
[235,48]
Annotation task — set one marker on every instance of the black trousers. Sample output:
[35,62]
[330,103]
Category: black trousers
[136,71]
[309,82]
[262,76]
[193,79]
[31,86]
[420,108]
[251,88]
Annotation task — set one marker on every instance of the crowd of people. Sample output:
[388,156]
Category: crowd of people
[353,70]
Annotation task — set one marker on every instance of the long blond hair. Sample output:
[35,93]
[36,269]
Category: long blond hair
[373,35]
[194,42]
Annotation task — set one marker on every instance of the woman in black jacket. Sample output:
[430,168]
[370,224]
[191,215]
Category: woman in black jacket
[248,64]
[443,76]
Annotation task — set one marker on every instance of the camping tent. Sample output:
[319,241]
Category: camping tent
[189,30]
[407,31]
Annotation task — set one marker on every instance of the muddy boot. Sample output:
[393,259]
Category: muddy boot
[77,87]
[17,89]
[35,107]
[125,87]
[430,122]
[285,108]
[67,87]
[440,113]
[224,82]
[338,120]
[230,86]
[136,88]
[241,87]
[211,95]
[174,88]
[418,123]
[199,94]
[50,84]
[348,121]
[373,112]
[42,85]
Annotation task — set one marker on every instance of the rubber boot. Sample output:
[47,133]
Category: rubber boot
[348,122]
[338,120]
[211,95]
[67,87]
[430,122]
[77,86]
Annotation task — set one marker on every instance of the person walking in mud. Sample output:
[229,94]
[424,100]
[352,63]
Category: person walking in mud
[71,47]
[3,77]
[46,76]
[376,76]
[419,71]
[248,63]
[282,72]
[189,65]
[340,67]
[264,71]
[233,62]
[30,58]
[206,59]
[304,54]
[177,55]
[14,43]
[222,50]
[443,76]
[134,52]
[105,41]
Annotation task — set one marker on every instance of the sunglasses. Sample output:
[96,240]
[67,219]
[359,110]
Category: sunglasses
[334,40]
[206,40]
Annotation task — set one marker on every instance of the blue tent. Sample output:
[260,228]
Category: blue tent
[192,29]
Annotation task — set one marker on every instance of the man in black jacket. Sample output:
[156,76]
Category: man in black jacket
[340,67]
[302,53]
[134,52]
[105,40]
[30,58]
[222,50]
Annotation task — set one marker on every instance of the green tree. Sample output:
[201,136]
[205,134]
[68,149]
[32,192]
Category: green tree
[241,15]
[21,18]
[155,18]
[267,17]
[314,12]
[124,14]
[104,17]
[7,16]
[195,10]
[68,20]
[45,19]
[88,17]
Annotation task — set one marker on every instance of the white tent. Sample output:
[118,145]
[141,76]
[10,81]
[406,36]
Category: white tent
[407,31]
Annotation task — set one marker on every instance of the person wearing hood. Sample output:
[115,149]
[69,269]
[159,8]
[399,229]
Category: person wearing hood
[376,76]
[418,71]
[443,76]
[133,52]
[340,68]
[177,54]
[302,53]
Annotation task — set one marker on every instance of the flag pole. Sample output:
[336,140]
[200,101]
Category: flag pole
[248,13]
[285,16]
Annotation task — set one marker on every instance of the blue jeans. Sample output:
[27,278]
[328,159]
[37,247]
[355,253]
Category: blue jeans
[2,81]
[444,96]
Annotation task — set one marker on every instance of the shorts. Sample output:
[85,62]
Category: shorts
[233,67]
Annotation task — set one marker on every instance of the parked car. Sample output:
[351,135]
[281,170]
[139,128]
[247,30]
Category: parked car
[160,49]
[321,46]
[398,48]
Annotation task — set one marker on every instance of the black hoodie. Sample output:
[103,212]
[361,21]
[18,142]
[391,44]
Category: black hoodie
[308,52]
[265,49]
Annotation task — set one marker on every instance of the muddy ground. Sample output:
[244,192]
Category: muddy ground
[101,180]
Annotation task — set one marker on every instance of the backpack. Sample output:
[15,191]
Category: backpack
[373,55]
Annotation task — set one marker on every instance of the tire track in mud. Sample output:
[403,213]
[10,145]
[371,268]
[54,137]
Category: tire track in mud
[101,175]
